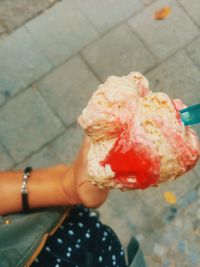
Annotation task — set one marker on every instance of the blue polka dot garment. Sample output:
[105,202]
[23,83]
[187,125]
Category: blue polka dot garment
[82,241]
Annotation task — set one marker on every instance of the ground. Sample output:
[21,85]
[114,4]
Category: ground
[54,54]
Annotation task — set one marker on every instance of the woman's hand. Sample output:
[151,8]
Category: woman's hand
[78,188]
[58,185]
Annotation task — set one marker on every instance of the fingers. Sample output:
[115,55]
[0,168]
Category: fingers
[90,195]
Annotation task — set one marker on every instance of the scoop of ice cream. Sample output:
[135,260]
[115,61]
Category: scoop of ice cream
[137,137]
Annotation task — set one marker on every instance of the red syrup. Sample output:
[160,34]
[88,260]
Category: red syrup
[129,158]
[178,115]
[186,155]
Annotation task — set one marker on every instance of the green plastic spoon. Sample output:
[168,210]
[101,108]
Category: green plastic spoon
[190,115]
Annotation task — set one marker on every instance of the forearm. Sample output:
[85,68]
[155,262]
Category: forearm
[44,189]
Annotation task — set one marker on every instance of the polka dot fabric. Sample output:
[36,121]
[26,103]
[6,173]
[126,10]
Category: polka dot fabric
[82,241]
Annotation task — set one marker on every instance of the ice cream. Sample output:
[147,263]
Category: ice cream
[137,137]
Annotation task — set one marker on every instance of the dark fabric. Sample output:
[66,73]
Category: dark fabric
[82,241]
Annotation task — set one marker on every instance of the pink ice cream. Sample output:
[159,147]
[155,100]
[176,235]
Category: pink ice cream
[137,137]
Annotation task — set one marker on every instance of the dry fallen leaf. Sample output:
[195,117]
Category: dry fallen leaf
[170,197]
[162,13]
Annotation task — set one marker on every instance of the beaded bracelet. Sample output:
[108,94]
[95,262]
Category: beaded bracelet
[24,189]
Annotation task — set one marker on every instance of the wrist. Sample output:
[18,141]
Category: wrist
[44,187]
[69,187]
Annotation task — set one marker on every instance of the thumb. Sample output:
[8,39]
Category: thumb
[91,195]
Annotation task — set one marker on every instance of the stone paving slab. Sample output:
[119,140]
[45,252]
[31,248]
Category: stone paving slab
[4,35]
[5,161]
[192,7]
[31,123]
[105,14]
[68,144]
[161,236]
[197,167]
[193,51]
[164,37]
[177,243]
[148,2]
[118,53]
[22,63]
[46,157]
[26,124]
[15,13]
[68,88]
[128,204]
[62,31]
[177,76]
[112,216]
[179,188]
[196,127]
[2,29]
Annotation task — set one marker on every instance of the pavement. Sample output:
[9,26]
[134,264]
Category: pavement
[51,60]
